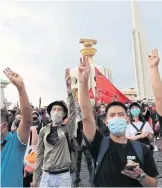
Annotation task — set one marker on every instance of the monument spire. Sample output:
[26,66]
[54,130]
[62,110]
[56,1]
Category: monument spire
[140,51]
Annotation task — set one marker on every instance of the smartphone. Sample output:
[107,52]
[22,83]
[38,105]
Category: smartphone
[138,133]
[130,167]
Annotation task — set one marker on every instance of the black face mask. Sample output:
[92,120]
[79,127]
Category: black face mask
[10,115]
[17,122]
[35,124]
[35,118]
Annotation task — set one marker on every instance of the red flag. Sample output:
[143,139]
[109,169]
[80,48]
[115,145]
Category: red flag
[106,91]
[91,95]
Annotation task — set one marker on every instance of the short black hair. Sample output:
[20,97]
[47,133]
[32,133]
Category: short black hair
[116,103]
[4,115]
[35,112]
[134,104]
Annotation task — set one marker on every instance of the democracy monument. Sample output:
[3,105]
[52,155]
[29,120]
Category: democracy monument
[4,102]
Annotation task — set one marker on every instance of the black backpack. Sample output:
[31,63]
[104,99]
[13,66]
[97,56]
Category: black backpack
[102,150]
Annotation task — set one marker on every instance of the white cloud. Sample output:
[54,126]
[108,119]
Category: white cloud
[24,57]
[16,10]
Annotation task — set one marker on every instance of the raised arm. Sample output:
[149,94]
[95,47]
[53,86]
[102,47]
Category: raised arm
[71,103]
[24,127]
[156,80]
[89,126]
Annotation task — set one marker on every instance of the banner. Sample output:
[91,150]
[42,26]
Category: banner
[91,95]
[106,92]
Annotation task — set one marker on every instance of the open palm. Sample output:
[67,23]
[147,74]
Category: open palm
[84,70]
[14,78]
[154,58]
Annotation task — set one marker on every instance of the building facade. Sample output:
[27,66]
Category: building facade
[131,93]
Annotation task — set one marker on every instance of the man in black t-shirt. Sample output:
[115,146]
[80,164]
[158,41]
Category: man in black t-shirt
[111,171]
[114,161]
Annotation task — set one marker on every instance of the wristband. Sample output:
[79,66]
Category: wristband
[141,177]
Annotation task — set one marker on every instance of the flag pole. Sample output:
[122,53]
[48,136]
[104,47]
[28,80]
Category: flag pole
[40,101]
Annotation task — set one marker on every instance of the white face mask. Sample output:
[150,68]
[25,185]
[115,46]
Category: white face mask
[56,118]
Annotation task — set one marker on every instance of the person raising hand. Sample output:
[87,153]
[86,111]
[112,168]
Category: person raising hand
[13,145]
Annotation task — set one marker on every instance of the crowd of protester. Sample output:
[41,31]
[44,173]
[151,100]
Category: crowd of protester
[42,147]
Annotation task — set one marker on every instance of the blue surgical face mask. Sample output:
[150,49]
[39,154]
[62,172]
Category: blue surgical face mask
[135,112]
[117,126]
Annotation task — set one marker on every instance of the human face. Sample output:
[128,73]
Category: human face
[116,111]
[10,115]
[57,108]
[117,121]
[35,118]
[135,111]
[102,108]
[57,114]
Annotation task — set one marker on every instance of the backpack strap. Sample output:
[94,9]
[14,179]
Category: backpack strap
[139,151]
[104,145]
[63,131]
[142,126]
[135,127]
[30,141]
[105,142]
[68,141]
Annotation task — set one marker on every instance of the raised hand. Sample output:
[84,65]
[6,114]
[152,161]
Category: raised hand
[84,70]
[68,78]
[154,58]
[14,78]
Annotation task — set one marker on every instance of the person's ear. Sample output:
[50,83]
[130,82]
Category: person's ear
[106,122]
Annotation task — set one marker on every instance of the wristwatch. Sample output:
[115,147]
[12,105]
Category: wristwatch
[141,177]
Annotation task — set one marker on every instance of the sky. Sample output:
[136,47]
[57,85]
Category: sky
[39,40]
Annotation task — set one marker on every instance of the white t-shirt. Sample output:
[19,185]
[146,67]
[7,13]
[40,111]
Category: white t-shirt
[29,147]
[131,131]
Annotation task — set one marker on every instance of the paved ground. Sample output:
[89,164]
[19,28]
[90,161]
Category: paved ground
[157,157]
[158,160]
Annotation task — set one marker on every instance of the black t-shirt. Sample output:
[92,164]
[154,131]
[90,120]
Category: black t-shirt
[101,124]
[114,161]
[52,137]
